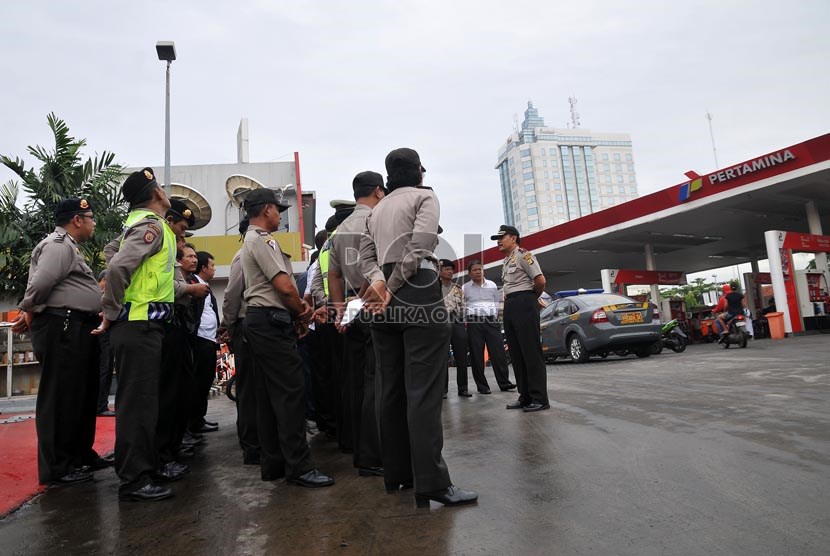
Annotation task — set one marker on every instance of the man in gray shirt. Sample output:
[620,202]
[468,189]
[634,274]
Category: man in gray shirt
[61,307]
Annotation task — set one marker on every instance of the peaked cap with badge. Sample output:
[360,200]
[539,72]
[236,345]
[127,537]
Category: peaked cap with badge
[504,230]
[138,183]
[263,196]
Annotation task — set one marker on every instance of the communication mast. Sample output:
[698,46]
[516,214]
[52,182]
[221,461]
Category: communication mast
[574,114]
[515,122]
[712,135]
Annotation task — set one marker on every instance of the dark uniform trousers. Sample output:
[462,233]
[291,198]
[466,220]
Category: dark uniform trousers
[359,369]
[338,397]
[487,331]
[246,394]
[105,367]
[322,379]
[412,358]
[278,372]
[204,363]
[521,325]
[138,357]
[177,381]
[68,392]
[458,341]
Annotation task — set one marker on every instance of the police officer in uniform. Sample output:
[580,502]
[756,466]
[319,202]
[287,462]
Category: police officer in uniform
[523,282]
[275,316]
[61,307]
[411,334]
[234,309]
[346,282]
[138,305]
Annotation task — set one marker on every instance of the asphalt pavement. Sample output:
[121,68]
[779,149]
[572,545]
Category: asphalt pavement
[707,452]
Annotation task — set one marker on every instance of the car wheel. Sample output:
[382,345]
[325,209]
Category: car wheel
[657,347]
[576,349]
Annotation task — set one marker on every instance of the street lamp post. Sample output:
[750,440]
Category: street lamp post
[166,51]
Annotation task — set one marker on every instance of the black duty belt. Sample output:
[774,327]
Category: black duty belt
[478,319]
[70,314]
[276,314]
[517,294]
[428,264]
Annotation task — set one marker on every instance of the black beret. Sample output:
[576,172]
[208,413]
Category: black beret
[403,158]
[137,183]
[443,263]
[71,207]
[504,230]
[263,196]
[178,209]
[365,182]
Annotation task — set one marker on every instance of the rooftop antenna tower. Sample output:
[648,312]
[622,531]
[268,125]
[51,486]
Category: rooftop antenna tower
[574,114]
[515,122]
[712,136]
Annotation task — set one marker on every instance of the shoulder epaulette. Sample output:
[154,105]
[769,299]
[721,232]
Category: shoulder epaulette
[59,237]
[423,187]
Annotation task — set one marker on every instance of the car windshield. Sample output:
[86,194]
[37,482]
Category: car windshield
[602,299]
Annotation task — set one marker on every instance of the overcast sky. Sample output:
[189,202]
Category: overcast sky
[343,83]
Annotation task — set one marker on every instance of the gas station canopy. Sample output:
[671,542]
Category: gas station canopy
[715,220]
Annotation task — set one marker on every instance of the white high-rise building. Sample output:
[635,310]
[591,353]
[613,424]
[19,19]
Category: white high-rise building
[551,175]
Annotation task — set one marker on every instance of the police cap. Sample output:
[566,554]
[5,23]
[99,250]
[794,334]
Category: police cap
[504,230]
[403,158]
[263,196]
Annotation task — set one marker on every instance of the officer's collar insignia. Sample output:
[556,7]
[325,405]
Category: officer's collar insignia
[148,175]
[84,204]
[512,259]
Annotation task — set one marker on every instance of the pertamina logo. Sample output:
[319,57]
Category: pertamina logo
[737,171]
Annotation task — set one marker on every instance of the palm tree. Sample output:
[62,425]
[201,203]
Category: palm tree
[62,173]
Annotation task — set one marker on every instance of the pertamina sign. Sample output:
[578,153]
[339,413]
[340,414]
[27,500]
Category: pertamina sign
[734,172]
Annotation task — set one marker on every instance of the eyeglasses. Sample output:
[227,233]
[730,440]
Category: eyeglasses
[90,216]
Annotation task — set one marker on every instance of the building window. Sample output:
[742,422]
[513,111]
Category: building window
[524,152]
[606,167]
[604,156]
[557,186]
[532,212]
[607,178]
[527,176]
[533,223]
[619,179]
[622,190]
[630,167]
[632,190]
[616,156]
[530,198]
[527,164]
[628,157]
[529,187]
[618,167]
[631,178]
[559,198]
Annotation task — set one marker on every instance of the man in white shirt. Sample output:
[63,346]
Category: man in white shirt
[204,346]
[483,328]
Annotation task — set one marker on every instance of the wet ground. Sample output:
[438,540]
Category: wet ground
[702,453]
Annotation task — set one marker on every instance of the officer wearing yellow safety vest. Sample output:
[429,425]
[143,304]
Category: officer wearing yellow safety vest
[138,305]
[331,342]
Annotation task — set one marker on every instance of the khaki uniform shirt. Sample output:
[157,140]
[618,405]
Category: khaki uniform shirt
[262,259]
[59,277]
[133,251]
[518,271]
[345,249]
[233,305]
[454,300]
[402,229]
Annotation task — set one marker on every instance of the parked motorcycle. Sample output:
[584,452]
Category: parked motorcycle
[736,333]
[673,337]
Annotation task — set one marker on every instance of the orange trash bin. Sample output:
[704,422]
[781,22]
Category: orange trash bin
[776,325]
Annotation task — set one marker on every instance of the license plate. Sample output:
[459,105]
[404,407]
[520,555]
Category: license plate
[740,324]
[631,318]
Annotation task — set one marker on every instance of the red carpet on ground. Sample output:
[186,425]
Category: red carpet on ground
[18,460]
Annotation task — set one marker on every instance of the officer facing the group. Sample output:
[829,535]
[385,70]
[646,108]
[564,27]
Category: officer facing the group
[275,315]
[138,304]
[523,283]
[411,334]
[61,307]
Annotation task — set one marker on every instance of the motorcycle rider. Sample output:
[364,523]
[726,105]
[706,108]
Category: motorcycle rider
[730,305]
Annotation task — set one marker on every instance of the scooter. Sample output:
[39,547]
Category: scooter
[736,333]
[673,337]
